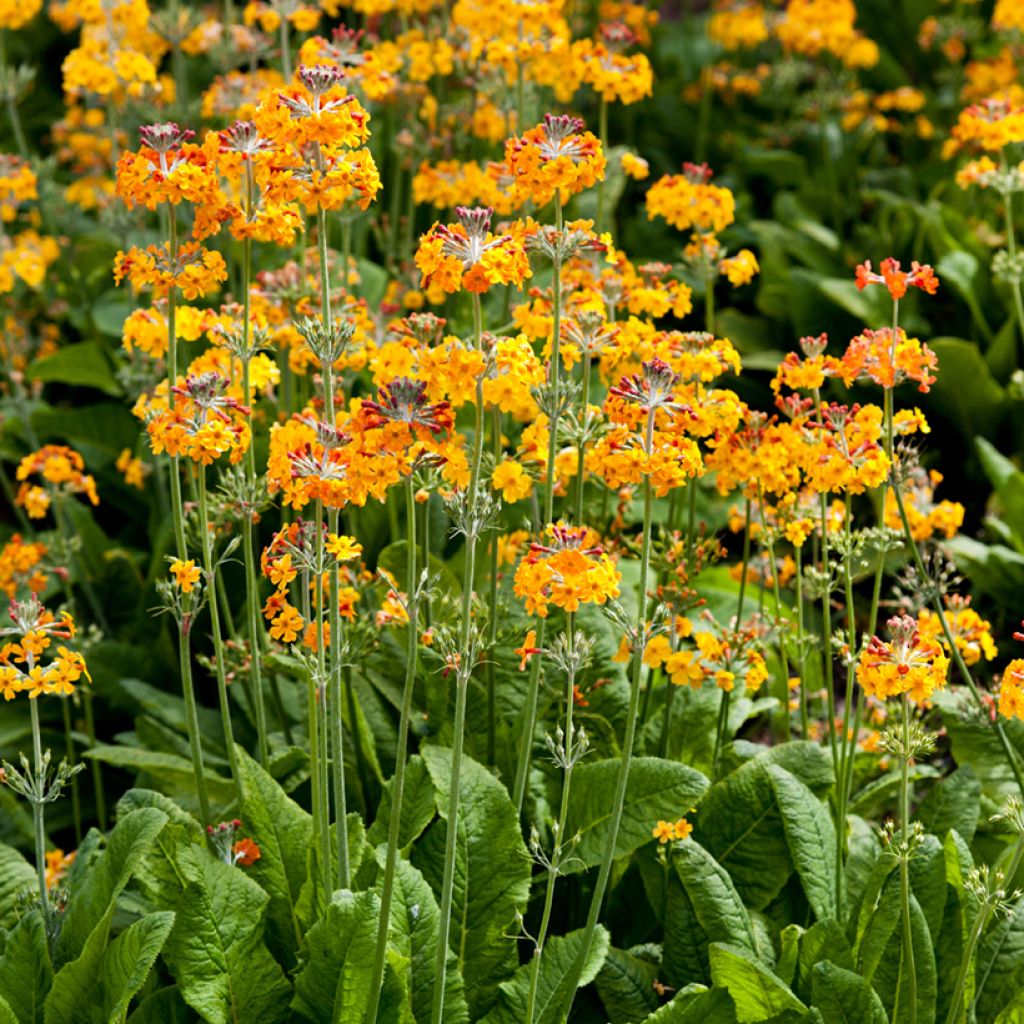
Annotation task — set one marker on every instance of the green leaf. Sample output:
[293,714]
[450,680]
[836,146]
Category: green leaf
[84,364]
[492,873]
[843,997]
[414,932]
[283,831]
[165,1006]
[999,967]
[394,558]
[216,951]
[824,940]
[656,789]
[696,1004]
[16,876]
[6,1013]
[625,984]
[892,975]
[127,845]
[716,904]
[811,837]
[1008,482]
[333,986]
[757,992]
[976,409]
[879,916]
[98,986]
[556,962]
[419,805]
[26,973]
[953,803]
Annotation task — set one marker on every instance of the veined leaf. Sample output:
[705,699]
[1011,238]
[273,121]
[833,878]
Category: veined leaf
[843,997]
[26,973]
[716,904]
[756,991]
[16,876]
[625,984]
[556,962]
[953,803]
[492,873]
[656,788]
[811,837]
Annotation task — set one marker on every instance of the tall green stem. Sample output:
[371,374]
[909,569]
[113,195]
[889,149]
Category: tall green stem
[398,779]
[492,606]
[909,971]
[602,130]
[219,654]
[533,689]
[632,717]
[467,650]
[38,824]
[320,765]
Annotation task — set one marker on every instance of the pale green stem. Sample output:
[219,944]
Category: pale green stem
[398,779]
[467,647]
[38,823]
[909,970]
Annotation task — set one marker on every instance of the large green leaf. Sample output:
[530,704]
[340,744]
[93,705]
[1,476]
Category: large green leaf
[625,984]
[333,986]
[811,837]
[97,987]
[1000,964]
[492,873]
[84,364]
[953,803]
[127,846]
[756,991]
[16,876]
[556,963]
[414,932]
[696,1004]
[283,831]
[843,997]
[656,789]
[216,951]
[26,973]
[419,805]
[976,409]
[1008,482]
[716,904]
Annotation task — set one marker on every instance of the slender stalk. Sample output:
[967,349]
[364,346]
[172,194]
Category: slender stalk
[632,717]
[398,779]
[492,607]
[563,815]
[581,455]
[192,716]
[602,122]
[908,938]
[97,774]
[802,647]
[533,688]
[320,764]
[12,103]
[219,654]
[467,650]
[286,51]
[69,753]
[723,707]
[1011,251]
[38,824]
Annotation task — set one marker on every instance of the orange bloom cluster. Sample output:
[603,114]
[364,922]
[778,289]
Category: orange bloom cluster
[27,664]
[555,157]
[20,566]
[909,663]
[62,470]
[574,570]
[688,200]
[897,280]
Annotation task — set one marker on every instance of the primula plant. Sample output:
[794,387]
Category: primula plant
[512,512]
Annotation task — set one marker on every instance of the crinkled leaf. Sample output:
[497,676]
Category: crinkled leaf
[26,973]
[716,904]
[811,837]
[625,984]
[419,805]
[556,962]
[16,876]
[127,845]
[283,831]
[756,991]
[656,789]
[843,997]
[492,873]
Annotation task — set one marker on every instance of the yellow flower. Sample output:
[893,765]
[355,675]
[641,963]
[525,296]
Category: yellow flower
[186,574]
[512,480]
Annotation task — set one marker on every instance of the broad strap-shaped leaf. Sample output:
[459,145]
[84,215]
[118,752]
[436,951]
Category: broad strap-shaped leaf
[890,980]
[333,985]
[556,962]
[165,1006]
[696,1004]
[16,876]
[414,932]
[99,985]
[713,897]
[26,973]
[824,940]
[1000,964]
[928,881]
[656,788]
[6,1013]
[284,832]
[843,997]
[216,951]
[879,913]
[127,845]
[419,806]
[756,991]
[492,874]
[811,837]
[954,802]
[625,984]
[137,798]
[957,919]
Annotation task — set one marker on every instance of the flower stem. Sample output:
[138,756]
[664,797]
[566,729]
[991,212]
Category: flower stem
[467,651]
[38,824]
[632,717]
[398,779]
[192,716]
[802,647]
[219,653]
[908,937]
[492,606]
